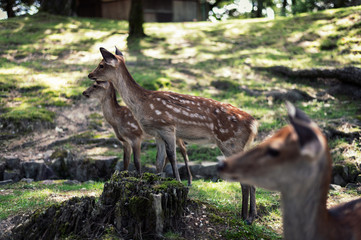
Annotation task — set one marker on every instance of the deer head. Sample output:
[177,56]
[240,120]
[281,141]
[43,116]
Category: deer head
[98,90]
[288,156]
[103,72]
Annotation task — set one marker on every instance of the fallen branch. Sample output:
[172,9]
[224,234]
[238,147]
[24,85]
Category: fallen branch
[351,75]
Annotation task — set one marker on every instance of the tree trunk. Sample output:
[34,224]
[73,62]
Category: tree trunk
[283,10]
[294,3]
[136,19]
[9,4]
[259,8]
[58,7]
[131,206]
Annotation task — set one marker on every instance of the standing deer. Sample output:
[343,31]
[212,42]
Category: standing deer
[296,161]
[126,128]
[168,115]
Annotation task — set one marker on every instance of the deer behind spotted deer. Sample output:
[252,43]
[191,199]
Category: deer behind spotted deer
[168,116]
[296,161]
[125,127]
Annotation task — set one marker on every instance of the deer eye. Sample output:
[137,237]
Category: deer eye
[101,66]
[95,86]
[273,152]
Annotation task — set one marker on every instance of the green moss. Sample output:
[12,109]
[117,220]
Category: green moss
[150,177]
[139,207]
[59,153]
[353,171]
[216,218]
[18,114]
[86,134]
[173,236]
[168,184]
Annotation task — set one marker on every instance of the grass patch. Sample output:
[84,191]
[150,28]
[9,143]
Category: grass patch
[26,197]
[24,112]
[47,58]
[226,198]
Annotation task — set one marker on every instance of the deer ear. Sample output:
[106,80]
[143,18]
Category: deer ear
[304,127]
[109,58]
[118,52]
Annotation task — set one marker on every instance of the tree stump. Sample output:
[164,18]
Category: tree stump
[131,207]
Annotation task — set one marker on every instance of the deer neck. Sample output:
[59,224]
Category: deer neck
[304,206]
[132,94]
[109,104]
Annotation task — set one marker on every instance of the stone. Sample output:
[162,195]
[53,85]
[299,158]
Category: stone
[358,178]
[12,174]
[181,169]
[71,182]
[47,182]
[352,171]
[207,170]
[68,166]
[149,168]
[37,170]
[335,187]
[120,166]
[338,180]
[2,169]
[12,162]
[27,180]
[352,186]
[6,182]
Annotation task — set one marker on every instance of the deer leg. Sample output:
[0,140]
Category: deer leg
[183,151]
[127,151]
[136,155]
[245,194]
[166,161]
[161,154]
[252,205]
[170,147]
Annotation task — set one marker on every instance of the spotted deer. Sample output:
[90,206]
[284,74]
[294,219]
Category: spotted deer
[169,115]
[125,127]
[296,161]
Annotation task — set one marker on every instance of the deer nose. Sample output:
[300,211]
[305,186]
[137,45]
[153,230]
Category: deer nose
[91,76]
[221,166]
[86,94]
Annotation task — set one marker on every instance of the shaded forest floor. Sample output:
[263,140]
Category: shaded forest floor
[45,60]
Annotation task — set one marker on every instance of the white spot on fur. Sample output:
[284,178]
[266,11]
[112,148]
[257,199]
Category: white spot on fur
[158,112]
[151,106]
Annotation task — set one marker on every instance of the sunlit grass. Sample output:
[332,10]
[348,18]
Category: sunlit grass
[226,197]
[26,197]
[58,52]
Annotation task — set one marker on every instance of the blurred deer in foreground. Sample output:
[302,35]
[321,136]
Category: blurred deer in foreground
[296,161]
[168,116]
[126,128]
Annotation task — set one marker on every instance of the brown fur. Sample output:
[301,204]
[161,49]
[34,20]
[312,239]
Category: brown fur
[168,115]
[302,173]
[124,124]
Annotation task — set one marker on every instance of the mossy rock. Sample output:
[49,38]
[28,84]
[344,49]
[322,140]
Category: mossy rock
[348,171]
[131,206]
[353,171]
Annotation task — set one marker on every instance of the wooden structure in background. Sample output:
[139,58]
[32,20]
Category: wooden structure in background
[154,10]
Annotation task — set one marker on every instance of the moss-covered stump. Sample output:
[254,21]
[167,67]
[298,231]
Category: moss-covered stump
[130,207]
